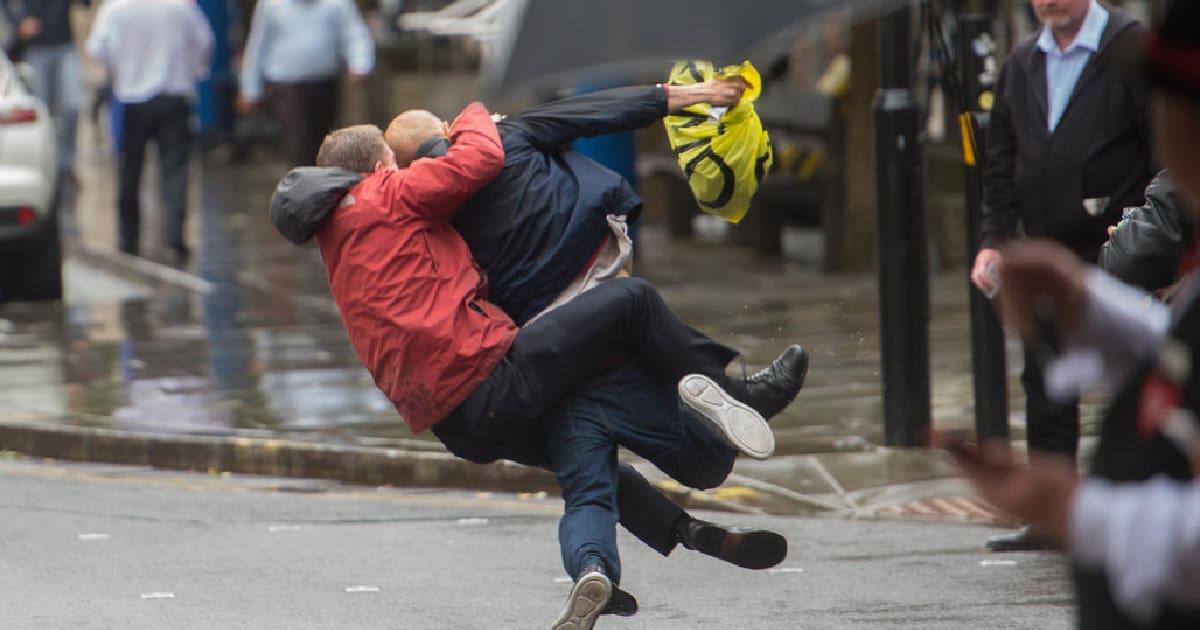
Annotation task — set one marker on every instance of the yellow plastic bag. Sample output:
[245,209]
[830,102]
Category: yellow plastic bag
[724,156]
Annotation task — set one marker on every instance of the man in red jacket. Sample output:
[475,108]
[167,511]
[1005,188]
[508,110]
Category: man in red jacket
[414,305]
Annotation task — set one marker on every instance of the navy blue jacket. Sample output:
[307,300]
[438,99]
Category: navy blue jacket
[536,226]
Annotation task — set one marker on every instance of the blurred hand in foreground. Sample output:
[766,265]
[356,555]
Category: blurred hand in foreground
[1040,493]
[1035,274]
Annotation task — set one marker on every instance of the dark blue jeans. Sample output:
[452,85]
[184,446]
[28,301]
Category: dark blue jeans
[626,407]
[557,363]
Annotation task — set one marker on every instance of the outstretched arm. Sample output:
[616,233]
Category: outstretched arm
[554,124]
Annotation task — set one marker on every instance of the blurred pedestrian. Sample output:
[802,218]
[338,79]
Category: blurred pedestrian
[44,40]
[1068,148]
[294,59]
[1133,525]
[154,50]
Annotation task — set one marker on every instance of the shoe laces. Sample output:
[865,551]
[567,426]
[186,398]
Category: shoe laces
[757,377]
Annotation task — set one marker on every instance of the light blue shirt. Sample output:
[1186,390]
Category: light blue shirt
[304,40]
[1063,67]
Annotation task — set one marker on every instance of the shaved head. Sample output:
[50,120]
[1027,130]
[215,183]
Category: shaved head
[411,128]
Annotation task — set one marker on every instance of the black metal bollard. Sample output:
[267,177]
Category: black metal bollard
[988,362]
[903,254]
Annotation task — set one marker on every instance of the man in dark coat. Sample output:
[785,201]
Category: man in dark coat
[1068,149]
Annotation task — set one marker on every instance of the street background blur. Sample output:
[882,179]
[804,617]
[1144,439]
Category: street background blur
[149,360]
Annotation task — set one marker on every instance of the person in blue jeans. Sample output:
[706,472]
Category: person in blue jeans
[552,225]
[44,40]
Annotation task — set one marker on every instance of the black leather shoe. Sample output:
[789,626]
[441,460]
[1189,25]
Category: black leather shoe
[747,548]
[1021,540]
[589,596]
[771,389]
[621,604]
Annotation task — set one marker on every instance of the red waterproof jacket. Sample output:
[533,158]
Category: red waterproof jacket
[412,299]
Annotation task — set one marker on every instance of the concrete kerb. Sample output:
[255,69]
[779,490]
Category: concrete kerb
[279,458]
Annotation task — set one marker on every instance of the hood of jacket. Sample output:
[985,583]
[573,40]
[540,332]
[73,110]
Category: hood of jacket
[305,197]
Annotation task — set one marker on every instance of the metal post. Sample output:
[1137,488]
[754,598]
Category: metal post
[988,363]
[903,255]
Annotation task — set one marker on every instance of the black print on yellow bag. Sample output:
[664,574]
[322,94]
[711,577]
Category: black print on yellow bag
[724,153]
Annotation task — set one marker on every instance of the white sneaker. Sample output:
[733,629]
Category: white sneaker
[588,597]
[741,427]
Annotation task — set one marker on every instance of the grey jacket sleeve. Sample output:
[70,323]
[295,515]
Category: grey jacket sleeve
[551,125]
[1146,248]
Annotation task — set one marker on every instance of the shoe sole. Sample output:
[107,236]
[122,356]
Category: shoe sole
[739,425]
[588,597]
[751,549]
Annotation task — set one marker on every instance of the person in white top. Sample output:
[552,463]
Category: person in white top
[155,51]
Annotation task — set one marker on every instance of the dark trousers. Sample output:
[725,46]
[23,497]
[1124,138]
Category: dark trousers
[627,407]
[1051,427]
[306,111]
[557,356]
[163,119]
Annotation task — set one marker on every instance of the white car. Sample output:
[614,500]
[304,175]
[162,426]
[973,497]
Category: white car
[30,251]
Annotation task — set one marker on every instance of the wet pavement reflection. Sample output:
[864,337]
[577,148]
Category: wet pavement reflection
[258,348]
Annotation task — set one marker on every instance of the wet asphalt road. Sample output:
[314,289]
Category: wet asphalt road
[104,547]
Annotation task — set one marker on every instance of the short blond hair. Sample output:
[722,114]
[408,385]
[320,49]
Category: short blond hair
[409,130]
[358,148]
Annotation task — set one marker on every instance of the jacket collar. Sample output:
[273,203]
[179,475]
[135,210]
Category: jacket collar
[1090,32]
[1033,60]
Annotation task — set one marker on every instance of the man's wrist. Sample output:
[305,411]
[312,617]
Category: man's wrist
[683,96]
